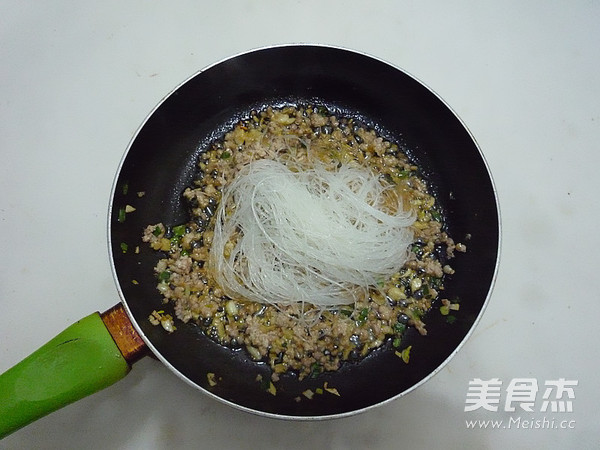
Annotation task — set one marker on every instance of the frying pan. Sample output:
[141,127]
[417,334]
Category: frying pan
[161,161]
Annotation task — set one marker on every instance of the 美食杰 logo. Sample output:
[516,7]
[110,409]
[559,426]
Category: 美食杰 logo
[519,396]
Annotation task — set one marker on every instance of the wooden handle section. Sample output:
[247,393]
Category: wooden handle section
[121,329]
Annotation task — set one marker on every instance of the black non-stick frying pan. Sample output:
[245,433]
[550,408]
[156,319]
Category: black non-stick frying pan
[161,163]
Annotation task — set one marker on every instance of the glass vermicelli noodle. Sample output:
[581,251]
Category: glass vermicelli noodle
[308,235]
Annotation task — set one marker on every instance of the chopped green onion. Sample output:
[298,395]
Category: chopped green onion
[157,231]
[450,319]
[225,155]
[179,230]
[362,316]
[331,390]
[315,370]
[212,381]
[405,354]
[231,308]
[322,110]
[415,284]
[403,174]
[399,327]
[124,247]
[308,394]
[444,309]
[397,342]
[164,276]
[121,217]
[415,313]
[264,382]
[436,215]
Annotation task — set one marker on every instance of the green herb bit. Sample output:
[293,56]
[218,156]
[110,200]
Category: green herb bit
[418,251]
[124,247]
[397,342]
[447,307]
[435,282]
[212,380]
[436,215]
[179,230]
[157,231]
[405,354]
[450,319]
[308,394]
[331,390]
[399,328]
[265,383]
[164,276]
[403,173]
[415,313]
[122,214]
[322,110]
[362,316]
[388,178]
[315,370]
[225,155]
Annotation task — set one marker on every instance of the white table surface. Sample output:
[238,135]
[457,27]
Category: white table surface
[76,82]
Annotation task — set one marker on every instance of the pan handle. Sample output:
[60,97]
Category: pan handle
[85,358]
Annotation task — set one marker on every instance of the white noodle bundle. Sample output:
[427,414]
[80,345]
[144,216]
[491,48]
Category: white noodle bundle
[314,236]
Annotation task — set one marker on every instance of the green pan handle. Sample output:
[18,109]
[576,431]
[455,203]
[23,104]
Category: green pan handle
[81,360]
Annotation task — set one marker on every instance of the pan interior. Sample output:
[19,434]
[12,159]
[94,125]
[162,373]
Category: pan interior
[161,162]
